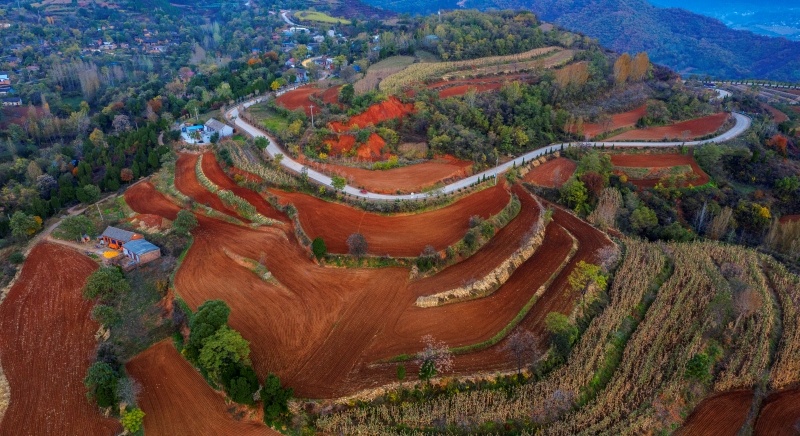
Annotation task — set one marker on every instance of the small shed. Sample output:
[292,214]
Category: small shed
[214,126]
[141,251]
[117,238]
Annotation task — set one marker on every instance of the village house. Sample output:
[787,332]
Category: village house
[116,238]
[12,101]
[141,251]
[214,126]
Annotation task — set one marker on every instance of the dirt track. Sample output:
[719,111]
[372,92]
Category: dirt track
[404,235]
[692,129]
[719,415]
[659,161]
[407,179]
[46,345]
[177,401]
[780,414]
[552,173]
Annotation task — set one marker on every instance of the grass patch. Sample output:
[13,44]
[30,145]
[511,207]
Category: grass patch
[320,17]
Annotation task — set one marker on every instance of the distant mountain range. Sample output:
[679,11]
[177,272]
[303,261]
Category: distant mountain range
[683,40]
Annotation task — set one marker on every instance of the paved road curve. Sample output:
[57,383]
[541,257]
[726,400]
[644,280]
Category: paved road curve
[742,124]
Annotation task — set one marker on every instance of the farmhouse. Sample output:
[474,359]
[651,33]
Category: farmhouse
[141,251]
[117,238]
[214,126]
[12,101]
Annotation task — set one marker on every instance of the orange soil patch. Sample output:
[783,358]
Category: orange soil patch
[407,179]
[214,172]
[47,344]
[552,173]
[157,203]
[389,109]
[463,89]
[330,95]
[693,129]
[299,98]
[452,88]
[370,150]
[719,415]
[655,161]
[186,182]
[789,218]
[780,414]
[777,115]
[177,400]
[404,235]
[618,121]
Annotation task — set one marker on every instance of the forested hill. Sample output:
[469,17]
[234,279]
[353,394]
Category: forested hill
[682,40]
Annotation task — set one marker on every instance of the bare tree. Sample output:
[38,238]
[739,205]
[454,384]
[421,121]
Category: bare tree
[607,257]
[435,358]
[523,347]
[121,123]
[357,244]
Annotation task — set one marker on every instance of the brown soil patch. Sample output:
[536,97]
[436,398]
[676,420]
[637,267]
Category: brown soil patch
[553,173]
[777,115]
[693,129]
[299,98]
[618,121]
[407,179]
[370,150]
[719,415]
[404,235]
[330,95]
[47,345]
[452,88]
[655,161]
[388,109]
[187,183]
[149,221]
[156,203]
[780,414]
[177,400]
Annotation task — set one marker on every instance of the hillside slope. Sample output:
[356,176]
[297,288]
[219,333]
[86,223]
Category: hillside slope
[682,40]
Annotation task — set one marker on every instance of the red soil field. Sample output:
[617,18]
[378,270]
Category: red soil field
[330,95]
[214,172]
[186,182]
[149,220]
[719,415]
[370,150]
[618,121]
[552,173]
[780,414]
[403,235]
[47,344]
[386,110]
[789,218]
[157,203]
[777,115]
[298,98]
[407,179]
[695,128]
[458,90]
[659,161]
[177,400]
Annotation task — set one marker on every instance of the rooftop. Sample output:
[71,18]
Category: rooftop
[140,247]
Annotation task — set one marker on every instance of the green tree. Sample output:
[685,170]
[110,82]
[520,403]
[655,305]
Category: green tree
[346,94]
[338,182]
[276,400]
[185,222]
[210,316]
[106,283]
[574,195]
[787,188]
[225,347]
[23,225]
[643,219]
[584,274]
[88,194]
[699,367]
[132,420]
[401,372]
[101,382]
[240,382]
[74,227]
[319,248]
[563,333]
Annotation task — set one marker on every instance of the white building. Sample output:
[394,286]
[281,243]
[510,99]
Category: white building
[214,126]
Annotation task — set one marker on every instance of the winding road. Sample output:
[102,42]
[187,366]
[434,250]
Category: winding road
[742,124]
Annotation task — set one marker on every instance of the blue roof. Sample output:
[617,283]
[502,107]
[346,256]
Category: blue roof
[191,128]
[140,247]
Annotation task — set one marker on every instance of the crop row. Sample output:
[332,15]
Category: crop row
[787,287]
[552,60]
[267,173]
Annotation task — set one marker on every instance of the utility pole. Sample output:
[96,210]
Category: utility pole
[312,114]
[496,164]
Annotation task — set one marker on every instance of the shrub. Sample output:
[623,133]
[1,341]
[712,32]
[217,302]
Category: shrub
[132,420]
[106,283]
[74,227]
[319,248]
[105,315]
[698,367]
[240,382]
[16,257]
[357,245]
[184,223]
[101,382]
[276,399]
[563,333]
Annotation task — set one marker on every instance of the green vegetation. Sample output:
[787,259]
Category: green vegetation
[74,227]
[318,248]
[320,17]
[184,223]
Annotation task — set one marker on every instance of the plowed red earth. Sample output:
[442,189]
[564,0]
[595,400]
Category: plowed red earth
[177,400]
[370,150]
[386,110]
[720,415]
[320,329]
[186,182]
[659,161]
[777,115]
[780,414]
[157,203]
[693,129]
[47,344]
[407,179]
[405,235]
[298,98]
[552,173]
[618,121]
[214,172]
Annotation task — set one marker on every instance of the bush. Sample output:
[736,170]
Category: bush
[698,367]
[319,248]
[132,420]
[74,227]
[240,382]
[276,399]
[185,222]
[357,244]
[563,333]
[105,315]
[210,316]
[101,382]
[16,257]
[106,283]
